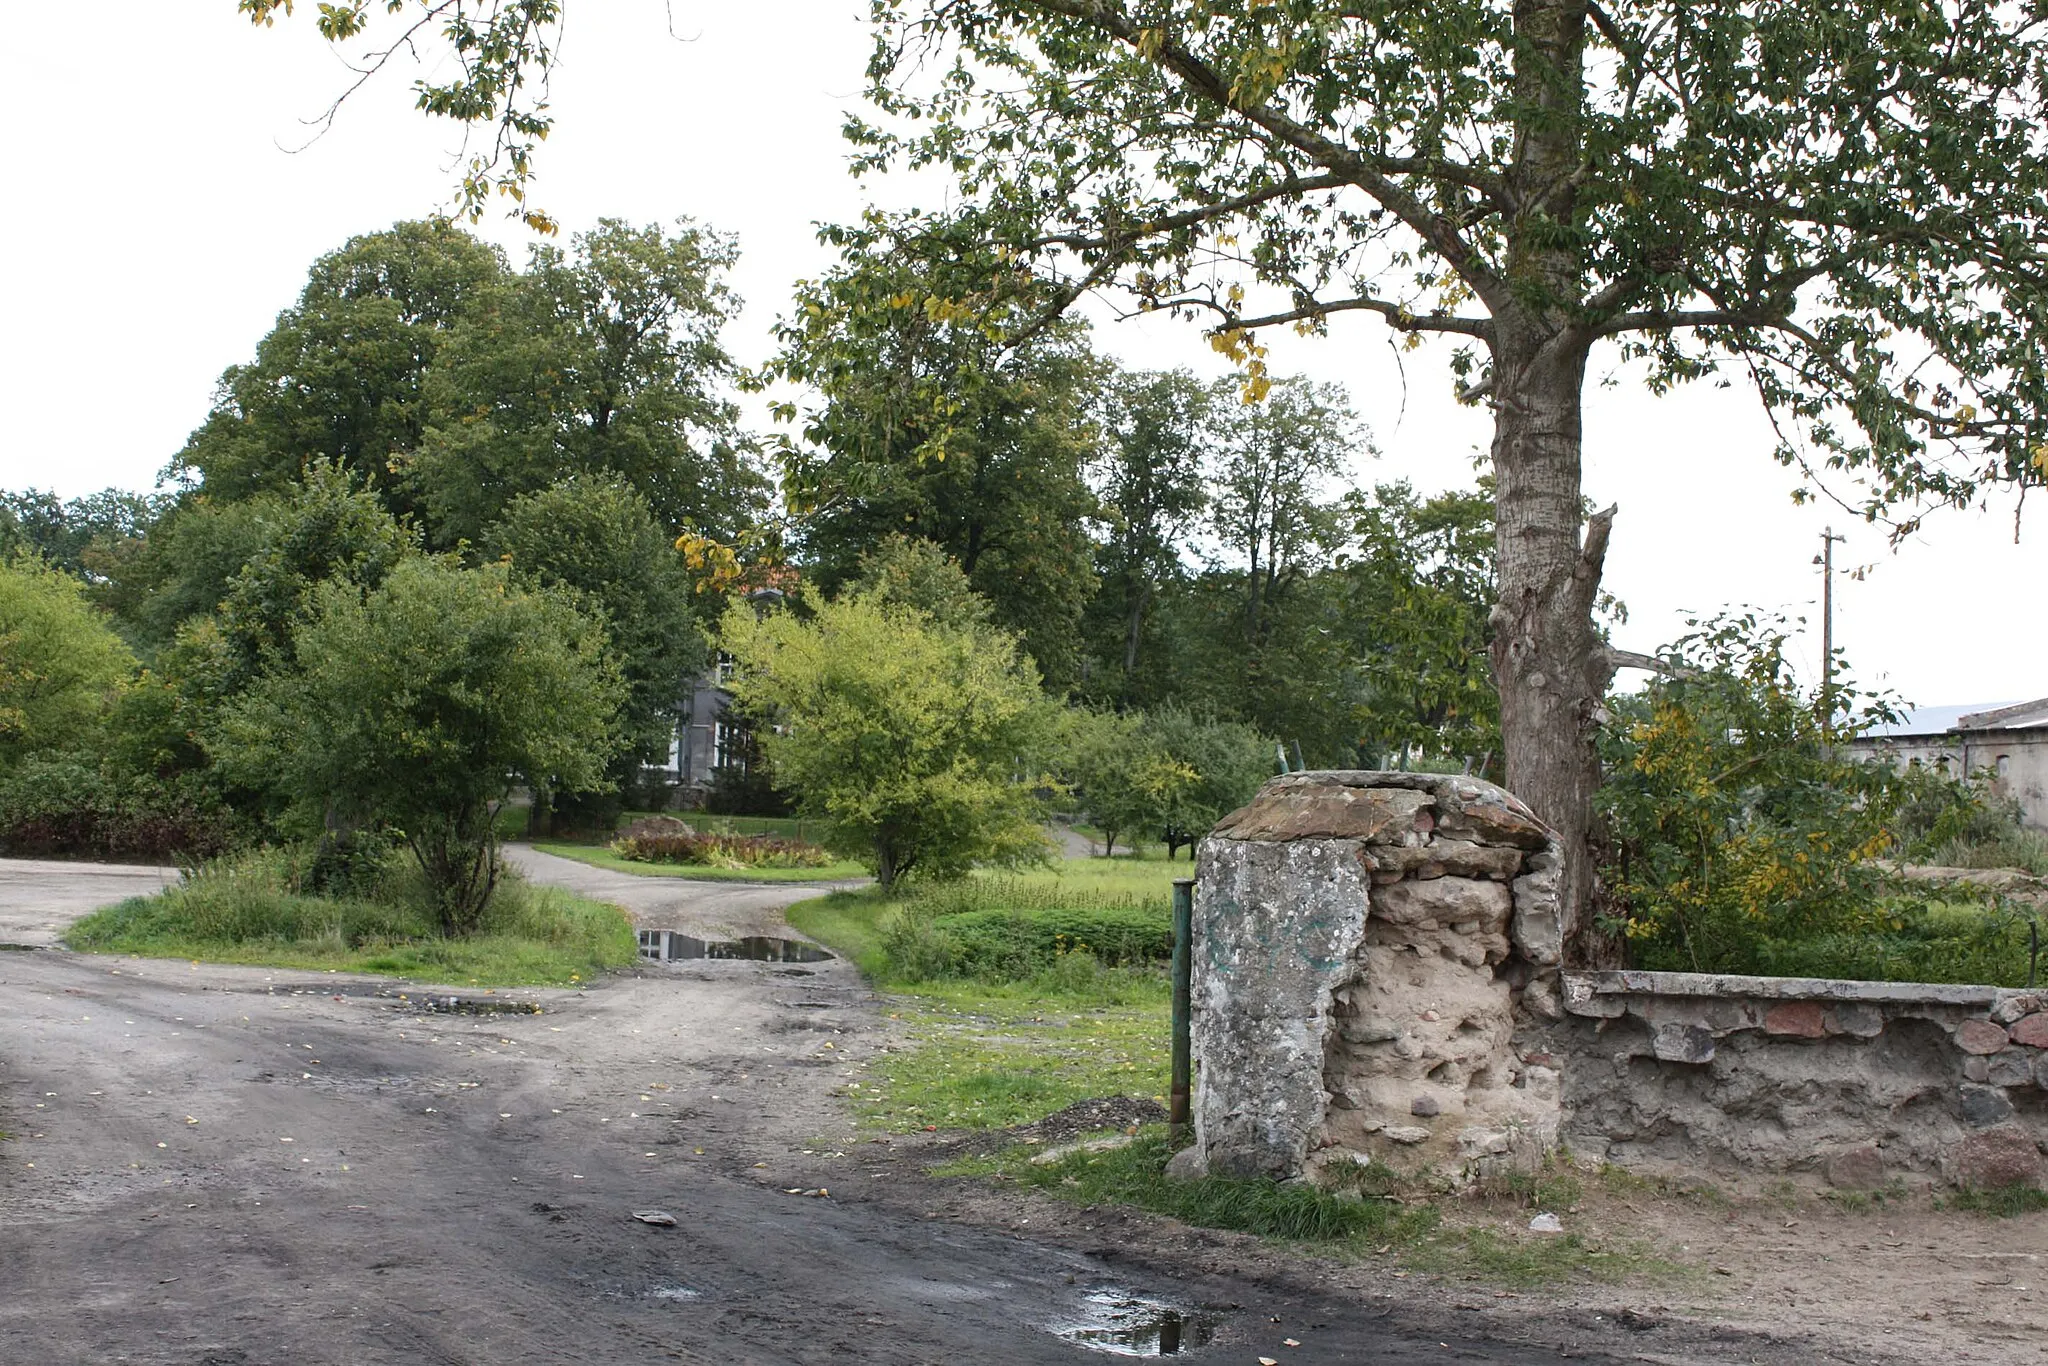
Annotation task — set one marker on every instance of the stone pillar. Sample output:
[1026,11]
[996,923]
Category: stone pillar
[1375,962]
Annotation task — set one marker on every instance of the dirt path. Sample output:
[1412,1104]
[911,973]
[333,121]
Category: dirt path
[214,1166]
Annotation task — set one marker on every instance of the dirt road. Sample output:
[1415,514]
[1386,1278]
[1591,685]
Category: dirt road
[212,1166]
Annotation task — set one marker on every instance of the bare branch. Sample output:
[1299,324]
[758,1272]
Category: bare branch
[1397,315]
[1629,659]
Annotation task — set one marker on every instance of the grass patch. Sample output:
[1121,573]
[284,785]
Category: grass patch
[1347,1223]
[1498,1258]
[987,1057]
[600,857]
[1136,1175]
[1088,877]
[241,910]
[512,823]
[2004,1202]
[988,1054]
[848,923]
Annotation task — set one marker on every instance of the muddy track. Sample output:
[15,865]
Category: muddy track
[242,1167]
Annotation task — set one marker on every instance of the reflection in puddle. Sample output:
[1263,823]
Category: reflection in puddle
[667,946]
[1129,1325]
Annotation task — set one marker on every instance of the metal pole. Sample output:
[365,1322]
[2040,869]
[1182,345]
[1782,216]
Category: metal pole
[1183,971]
[1827,630]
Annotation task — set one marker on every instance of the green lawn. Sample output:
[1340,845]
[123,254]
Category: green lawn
[599,857]
[1139,877]
[992,1054]
[986,1057]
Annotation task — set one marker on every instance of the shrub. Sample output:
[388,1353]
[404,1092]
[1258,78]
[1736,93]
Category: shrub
[1007,932]
[61,665]
[717,850]
[1972,942]
[71,806]
[420,705]
[1006,944]
[1735,821]
[911,738]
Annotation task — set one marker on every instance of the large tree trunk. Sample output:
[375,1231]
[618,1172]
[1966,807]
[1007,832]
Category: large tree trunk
[1551,669]
[1134,625]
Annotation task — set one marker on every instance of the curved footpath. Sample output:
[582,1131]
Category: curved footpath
[700,907]
[216,1166]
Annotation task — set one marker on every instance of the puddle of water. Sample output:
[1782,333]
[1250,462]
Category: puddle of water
[1128,1325]
[466,1005]
[667,946]
[19,948]
[675,1292]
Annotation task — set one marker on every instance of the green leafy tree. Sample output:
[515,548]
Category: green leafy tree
[596,539]
[1148,473]
[605,358]
[1270,478]
[62,668]
[1836,202]
[91,537]
[928,425]
[1829,201]
[1739,830]
[1416,582]
[903,572]
[912,740]
[1123,776]
[326,530]
[419,706]
[342,376]
[1228,760]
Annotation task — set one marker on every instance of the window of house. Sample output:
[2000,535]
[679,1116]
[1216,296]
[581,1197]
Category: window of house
[725,667]
[2004,765]
[731,746]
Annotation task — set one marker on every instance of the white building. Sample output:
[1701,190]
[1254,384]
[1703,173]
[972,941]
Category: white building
[2006,746]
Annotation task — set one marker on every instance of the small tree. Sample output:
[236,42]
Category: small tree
[419,706]
[1228,759]
[60,664]
[913,740]
[1738,828]
[1123,774]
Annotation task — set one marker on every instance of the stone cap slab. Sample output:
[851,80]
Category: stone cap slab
[1583,989]
[1384,807]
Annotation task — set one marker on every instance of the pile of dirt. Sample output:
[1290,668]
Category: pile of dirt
[648,827]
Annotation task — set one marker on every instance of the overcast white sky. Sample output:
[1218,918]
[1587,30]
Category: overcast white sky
[155,224]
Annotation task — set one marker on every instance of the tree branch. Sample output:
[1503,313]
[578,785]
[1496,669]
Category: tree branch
[1629,659]
[1362,169]
[1398,317]
[1152,227]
